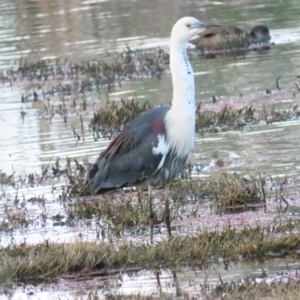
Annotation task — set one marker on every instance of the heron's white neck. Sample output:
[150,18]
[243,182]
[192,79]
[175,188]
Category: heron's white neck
[180,119]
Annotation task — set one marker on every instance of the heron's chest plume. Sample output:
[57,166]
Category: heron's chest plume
[180,119]
[180,127]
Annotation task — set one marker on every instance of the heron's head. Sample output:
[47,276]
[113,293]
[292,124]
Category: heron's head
[186,28]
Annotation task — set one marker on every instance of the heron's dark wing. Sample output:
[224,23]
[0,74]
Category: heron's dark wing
[129,159]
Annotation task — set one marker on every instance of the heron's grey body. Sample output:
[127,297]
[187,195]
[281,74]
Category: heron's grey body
[131,158]
[154,147]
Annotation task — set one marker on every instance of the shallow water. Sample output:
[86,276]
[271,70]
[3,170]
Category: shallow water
[82,30]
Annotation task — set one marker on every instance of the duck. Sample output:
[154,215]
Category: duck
[226,37]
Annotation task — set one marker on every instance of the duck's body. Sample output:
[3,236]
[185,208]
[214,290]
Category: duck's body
[153,148]
[220,38]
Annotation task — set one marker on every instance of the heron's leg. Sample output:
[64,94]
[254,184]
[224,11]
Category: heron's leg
[140,197]
[151,213]
[167,210]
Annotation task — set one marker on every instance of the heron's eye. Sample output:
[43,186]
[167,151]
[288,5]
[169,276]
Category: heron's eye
[188,25]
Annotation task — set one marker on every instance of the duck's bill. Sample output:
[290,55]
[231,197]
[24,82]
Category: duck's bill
[213,25]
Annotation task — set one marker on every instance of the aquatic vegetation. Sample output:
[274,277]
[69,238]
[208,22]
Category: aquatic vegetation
[122,211]
[225,190]
[6,179]
[116,213]
[26,262]
[250,289]
[279,115]
[225,119]
[119,213]
[233,192]
[111,117]
[296,89]
[47,78]
[229,118]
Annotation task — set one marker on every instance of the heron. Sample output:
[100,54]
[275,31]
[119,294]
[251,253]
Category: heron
[153,148]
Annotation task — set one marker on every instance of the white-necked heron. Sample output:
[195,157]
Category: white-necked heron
[153,148]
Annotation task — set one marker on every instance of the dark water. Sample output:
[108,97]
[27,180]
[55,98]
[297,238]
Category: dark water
[82,30]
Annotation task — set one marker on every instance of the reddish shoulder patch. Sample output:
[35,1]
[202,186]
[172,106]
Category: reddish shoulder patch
[158,127]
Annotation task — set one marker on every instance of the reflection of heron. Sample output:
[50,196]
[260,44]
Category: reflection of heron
[230,37]
[153,148]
